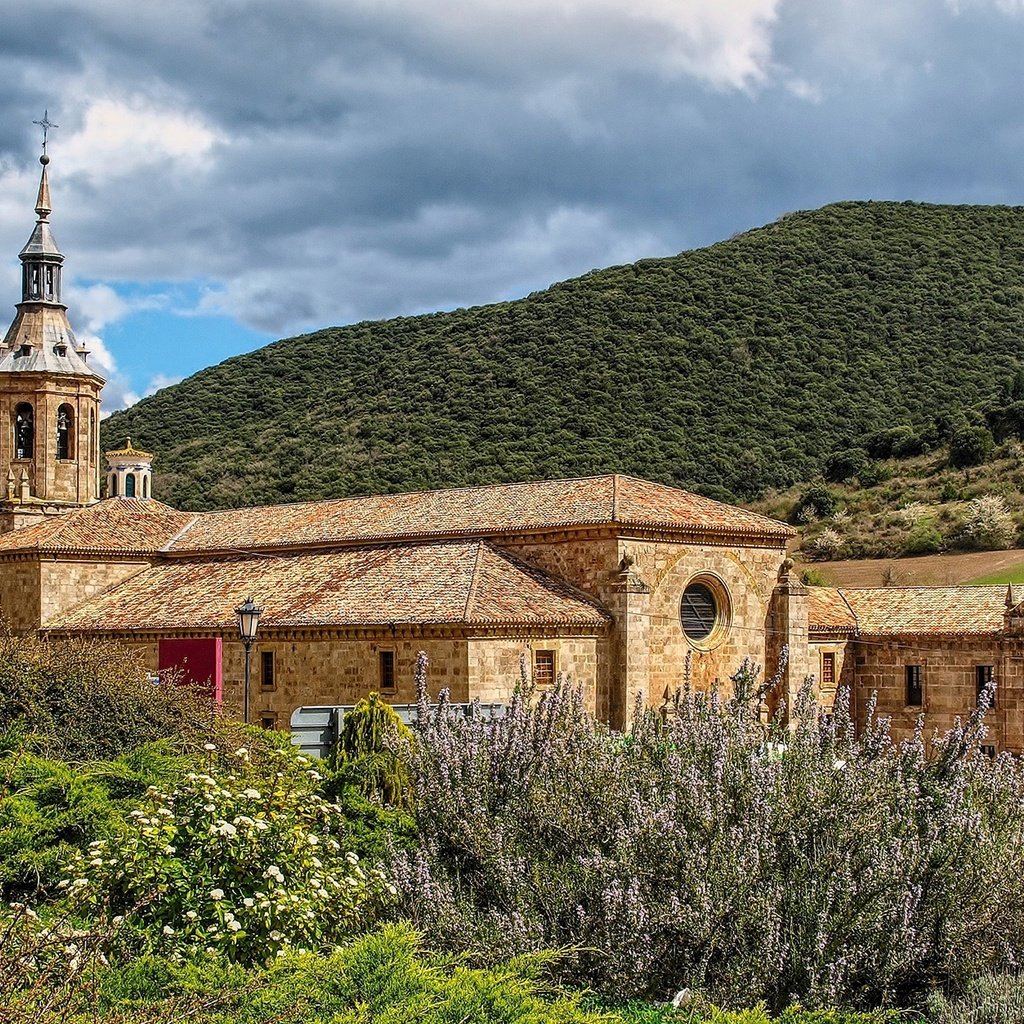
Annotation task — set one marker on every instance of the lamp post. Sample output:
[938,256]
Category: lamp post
[248,623]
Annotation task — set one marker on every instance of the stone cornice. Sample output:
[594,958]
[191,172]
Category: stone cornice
[380,632]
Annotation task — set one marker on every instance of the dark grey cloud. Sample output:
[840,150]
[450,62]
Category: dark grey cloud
[319,162]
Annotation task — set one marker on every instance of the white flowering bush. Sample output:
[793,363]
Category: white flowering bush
[910,514]
[988,522]
[244,862]
[828,543]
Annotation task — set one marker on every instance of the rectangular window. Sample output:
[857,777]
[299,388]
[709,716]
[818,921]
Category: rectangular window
[387,671]
[988,749]
[915,689]
[983,675]
[544,668]
[267,670]
[268,721]
[828,669]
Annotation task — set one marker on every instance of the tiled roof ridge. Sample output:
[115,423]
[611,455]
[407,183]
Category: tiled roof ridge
[474,578]
[459,489]
[849,608]
[181,533]
[548,578]
[927,586]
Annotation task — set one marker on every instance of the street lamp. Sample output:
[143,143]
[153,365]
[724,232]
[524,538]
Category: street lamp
[248,622]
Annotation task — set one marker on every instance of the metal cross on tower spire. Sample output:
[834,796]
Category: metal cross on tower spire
[46,124]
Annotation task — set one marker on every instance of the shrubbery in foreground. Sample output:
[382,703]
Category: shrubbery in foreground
[380,978]
[750,862]
[83,700]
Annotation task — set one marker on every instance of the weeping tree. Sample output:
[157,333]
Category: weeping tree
[371,748]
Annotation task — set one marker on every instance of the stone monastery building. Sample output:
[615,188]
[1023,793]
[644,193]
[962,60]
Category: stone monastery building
[631,588]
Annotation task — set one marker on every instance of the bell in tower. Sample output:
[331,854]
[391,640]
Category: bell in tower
[49,395]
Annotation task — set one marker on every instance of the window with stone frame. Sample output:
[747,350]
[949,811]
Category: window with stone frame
[65,433]
[983,676]
[386,662]
[828,669]
[914,686]
[268,720]
[267,678]
[544,668]
[24,431]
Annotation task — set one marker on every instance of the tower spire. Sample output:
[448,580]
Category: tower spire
[43,207]
[48,392]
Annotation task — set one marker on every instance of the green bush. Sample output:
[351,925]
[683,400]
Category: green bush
[895,442]
[48,809]
[817,502]
[873,473]
[370,750]
[844,465]
[244,860]
[380,978]
[84,700]
[924,539]
[992,999]
[970,446]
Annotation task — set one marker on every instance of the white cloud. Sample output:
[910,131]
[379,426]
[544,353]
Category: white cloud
[97,305]
[160,381]
[119,135]
[726,43]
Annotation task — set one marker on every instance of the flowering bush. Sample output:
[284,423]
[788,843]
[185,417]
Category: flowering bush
[243,860]
[828,543]
[749,861]
[988,522]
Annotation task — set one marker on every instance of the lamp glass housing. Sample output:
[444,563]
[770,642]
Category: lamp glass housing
[248,619]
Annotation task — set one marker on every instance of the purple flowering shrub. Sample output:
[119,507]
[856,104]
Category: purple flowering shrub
[749,861]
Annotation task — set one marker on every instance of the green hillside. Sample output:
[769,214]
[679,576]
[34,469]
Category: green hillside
[729,370]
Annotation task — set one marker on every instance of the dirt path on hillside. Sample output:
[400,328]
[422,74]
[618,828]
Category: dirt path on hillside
[935,570]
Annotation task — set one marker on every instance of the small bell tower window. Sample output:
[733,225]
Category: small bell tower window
[129,485]
[24,431]
[65,432]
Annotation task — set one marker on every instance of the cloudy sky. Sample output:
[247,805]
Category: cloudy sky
[228,172]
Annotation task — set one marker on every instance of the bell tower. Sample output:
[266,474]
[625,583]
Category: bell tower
[49,395]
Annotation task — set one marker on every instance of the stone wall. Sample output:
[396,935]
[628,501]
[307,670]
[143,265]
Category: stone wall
[494,664]
[342,670]
[19,593]
[589,561]
[66,583]
[51,479]
[948,682]
[641,583]
[749,576]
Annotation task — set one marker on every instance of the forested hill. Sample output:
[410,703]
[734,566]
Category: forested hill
[727,370]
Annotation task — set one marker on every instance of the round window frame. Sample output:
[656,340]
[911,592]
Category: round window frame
[723,611]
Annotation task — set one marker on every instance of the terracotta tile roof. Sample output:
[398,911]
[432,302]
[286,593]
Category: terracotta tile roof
[827,611]
[129,451]
[912,611]
[446,582]
[122,525]
[548,504]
